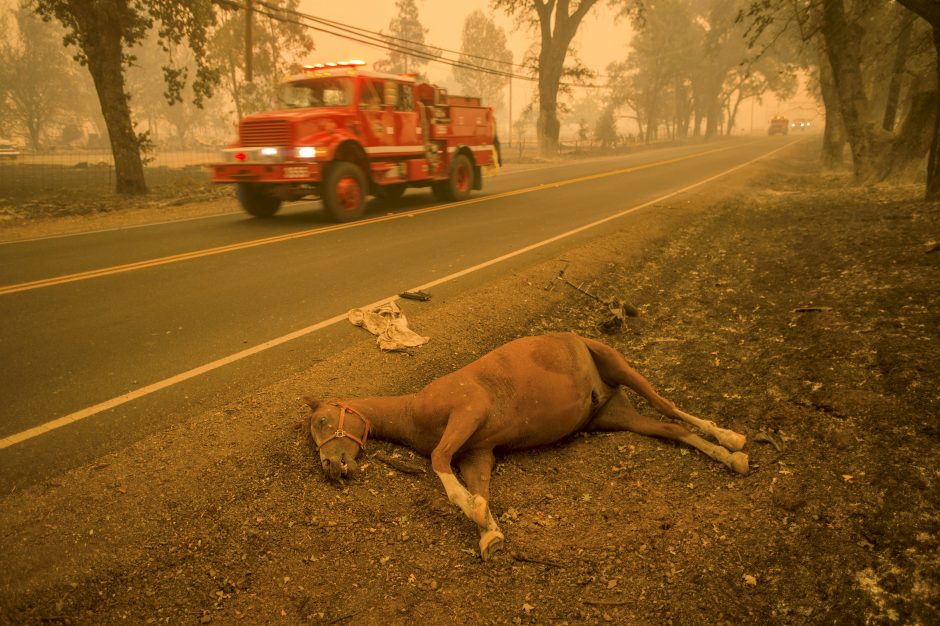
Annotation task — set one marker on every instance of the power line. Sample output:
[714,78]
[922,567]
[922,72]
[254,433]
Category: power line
[342,26]
[386,42]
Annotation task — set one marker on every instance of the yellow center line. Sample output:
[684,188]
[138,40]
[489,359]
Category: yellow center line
[187,256]
[41,429]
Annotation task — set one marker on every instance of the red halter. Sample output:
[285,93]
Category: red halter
[339,433]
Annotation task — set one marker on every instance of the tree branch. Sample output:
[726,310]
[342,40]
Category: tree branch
[927,9]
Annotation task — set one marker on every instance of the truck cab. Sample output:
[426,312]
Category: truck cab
[343,133]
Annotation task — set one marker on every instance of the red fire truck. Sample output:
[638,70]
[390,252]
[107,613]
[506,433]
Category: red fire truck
[346,132]
[778,125]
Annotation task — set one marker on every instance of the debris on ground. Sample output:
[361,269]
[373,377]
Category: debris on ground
[618,308]
[421,296]
[388,323]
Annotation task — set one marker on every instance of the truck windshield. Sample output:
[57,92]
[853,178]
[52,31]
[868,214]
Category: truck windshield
[317,92]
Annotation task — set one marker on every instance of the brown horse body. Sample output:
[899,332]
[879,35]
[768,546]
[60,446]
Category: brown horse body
[527,393]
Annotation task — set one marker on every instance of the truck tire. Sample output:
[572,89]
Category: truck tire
[459,181]
[255,201]
[344,191]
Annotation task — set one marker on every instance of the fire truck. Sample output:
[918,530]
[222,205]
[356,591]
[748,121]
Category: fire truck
[778,125]
[344,132]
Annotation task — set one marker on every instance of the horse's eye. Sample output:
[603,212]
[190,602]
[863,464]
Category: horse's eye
[322,422]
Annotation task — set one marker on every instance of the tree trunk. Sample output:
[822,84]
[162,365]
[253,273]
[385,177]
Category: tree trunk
[103,43]
[652,115]
[869,153]
[833,149]
[682,109]
[555,39]
[713,119]
[914,138]
[548,126]
[930,11]
[933,160]
[897,73]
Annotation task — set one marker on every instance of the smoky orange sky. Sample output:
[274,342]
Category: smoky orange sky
[601,39]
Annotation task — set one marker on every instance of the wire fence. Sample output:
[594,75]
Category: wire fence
[91,171]
[83,174]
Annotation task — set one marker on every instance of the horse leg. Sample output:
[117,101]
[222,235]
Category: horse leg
[477,468]
[460,427]
[620,414]
[615,371]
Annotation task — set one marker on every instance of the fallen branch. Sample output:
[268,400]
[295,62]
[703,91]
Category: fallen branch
[617,307]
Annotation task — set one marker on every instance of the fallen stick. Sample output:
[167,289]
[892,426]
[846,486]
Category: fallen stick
[398,464]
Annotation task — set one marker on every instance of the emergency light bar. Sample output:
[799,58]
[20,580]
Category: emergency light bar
[320,66]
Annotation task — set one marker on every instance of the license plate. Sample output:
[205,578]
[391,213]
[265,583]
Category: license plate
[299,171]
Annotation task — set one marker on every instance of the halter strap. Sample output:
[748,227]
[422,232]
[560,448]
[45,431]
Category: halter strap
[339,433]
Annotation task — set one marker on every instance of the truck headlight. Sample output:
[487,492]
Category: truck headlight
[305,152]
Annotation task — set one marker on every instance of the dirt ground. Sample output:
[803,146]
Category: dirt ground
[781,303]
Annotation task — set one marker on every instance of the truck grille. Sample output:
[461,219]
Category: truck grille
[264,133]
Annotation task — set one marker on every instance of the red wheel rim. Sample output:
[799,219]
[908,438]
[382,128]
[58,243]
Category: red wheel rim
[348,193]
[463,178]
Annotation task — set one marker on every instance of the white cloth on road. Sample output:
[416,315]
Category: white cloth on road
[387,322]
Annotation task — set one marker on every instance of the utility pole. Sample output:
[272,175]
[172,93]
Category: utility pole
[510,110]
[248,11]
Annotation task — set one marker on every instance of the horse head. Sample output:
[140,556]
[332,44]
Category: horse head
[337,438]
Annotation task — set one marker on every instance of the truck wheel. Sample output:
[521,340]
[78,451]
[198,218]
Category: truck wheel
[344,191]
[459,181]
[255,201]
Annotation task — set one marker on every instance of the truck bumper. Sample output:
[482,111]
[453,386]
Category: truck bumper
[266,173]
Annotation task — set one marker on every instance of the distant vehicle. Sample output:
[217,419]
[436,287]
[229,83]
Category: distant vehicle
[345,132]
[8,151]
[800,125]
[779,125]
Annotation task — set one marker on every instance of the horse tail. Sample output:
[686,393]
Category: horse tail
[615,371]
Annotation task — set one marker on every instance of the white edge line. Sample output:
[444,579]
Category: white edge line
[36,431]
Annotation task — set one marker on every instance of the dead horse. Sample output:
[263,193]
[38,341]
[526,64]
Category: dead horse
[530,392]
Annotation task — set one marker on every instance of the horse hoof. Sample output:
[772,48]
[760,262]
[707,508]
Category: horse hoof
[739,463]
[490,543]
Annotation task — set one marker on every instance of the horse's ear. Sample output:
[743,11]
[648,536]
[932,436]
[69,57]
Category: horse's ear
[311,402]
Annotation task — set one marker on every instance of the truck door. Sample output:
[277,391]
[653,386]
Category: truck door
[407,124]
[378,117]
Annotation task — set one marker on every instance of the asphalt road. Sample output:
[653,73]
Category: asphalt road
[108,336]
